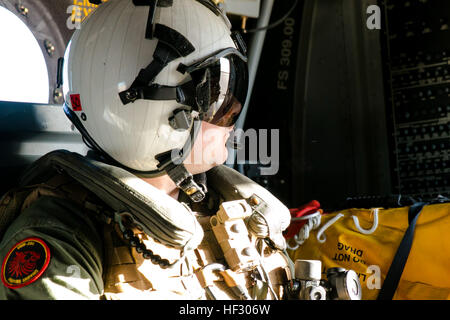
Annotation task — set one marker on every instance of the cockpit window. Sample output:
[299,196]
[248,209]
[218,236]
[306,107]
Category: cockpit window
[23,70]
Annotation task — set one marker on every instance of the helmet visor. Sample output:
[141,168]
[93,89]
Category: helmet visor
[225,92]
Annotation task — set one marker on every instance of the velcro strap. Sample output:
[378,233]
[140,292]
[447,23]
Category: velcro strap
[162,56]
[151,15]
[174,39]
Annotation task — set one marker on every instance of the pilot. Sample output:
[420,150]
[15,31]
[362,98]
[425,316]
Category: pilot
[151,213]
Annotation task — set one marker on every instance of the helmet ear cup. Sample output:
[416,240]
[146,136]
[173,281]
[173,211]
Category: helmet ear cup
[103,59]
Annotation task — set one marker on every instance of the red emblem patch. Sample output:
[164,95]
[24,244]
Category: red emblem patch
[25,263]
[75,100]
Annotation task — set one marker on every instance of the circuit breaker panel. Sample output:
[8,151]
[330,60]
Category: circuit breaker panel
[417,56]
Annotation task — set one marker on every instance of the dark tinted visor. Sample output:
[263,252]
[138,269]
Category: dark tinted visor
[227,90]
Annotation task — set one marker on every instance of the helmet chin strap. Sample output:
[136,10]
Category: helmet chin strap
[185,181]
[172,163]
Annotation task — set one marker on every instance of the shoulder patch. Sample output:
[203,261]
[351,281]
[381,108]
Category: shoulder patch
[25,263]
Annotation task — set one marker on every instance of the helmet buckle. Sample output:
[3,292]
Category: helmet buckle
[181,120]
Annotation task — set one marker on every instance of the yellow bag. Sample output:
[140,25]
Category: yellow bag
[366,241]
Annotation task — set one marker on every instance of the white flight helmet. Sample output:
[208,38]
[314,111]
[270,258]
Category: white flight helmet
[138,73]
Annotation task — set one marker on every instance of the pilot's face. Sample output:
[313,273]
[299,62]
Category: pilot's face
[209,149]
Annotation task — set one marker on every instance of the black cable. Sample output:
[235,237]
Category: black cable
[275,24]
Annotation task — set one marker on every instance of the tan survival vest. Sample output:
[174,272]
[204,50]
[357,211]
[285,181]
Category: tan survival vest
[129,276]
[237,253]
